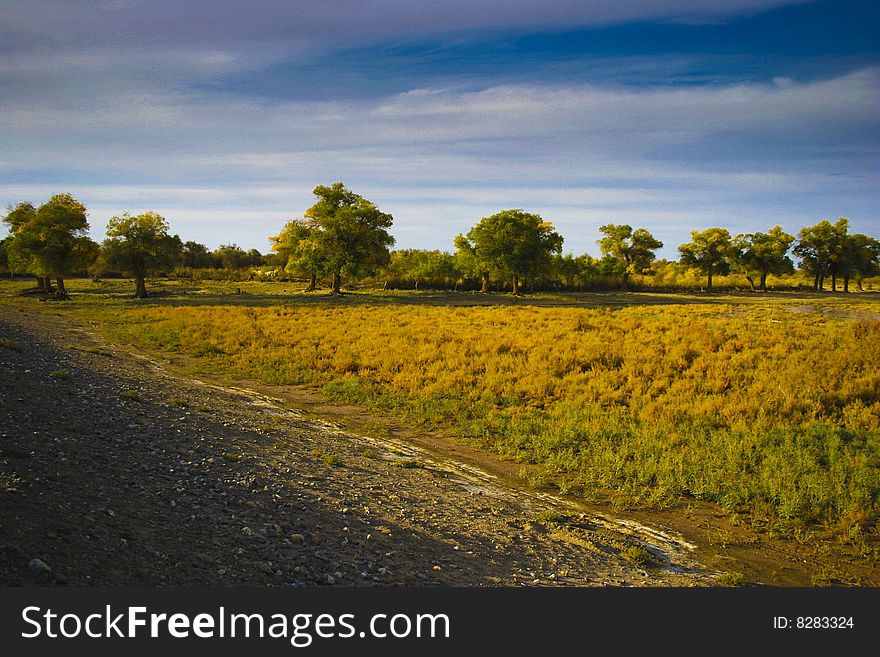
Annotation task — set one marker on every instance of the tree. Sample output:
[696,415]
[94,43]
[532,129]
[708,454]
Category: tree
[19,255]
[860,259]
[511,244]
[351,236]
[141,245]
[708,251]
[50,241]
[763,254]
[468,261]
[633,251]
[232,256]
[4,254]
[299,249]
[418,267]
[566,268]
[820,248]
[196,256]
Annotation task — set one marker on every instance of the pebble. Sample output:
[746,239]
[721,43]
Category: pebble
[38,566]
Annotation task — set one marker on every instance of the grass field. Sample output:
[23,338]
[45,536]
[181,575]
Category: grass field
[768,405]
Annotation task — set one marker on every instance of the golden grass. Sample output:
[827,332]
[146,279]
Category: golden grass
[768,405]
[766,410]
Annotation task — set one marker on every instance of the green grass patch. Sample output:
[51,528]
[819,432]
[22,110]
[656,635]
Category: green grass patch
[407,463]
[327,458]
[549,516]
[9,343]
[732,579]
[636,554]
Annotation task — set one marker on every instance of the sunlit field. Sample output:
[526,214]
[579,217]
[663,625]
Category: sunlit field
[768,405]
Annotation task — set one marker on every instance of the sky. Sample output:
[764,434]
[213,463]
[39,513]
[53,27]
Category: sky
[221,115]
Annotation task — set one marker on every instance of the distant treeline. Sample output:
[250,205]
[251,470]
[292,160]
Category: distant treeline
[343,238]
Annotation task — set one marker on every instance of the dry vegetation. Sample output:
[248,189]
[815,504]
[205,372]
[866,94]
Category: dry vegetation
[768,406]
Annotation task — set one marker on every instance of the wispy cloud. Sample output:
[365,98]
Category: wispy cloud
[154,126]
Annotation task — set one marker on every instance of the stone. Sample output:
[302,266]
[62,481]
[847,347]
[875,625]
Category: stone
[38,566]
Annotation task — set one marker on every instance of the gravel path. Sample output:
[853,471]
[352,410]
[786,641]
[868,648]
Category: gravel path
[116,472]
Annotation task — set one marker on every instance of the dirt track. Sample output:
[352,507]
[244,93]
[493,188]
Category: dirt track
[114,471]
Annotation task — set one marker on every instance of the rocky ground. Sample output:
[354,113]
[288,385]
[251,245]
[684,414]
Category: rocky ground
[114,471]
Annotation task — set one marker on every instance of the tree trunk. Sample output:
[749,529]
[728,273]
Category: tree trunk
[485,278]
[764,281]
[709,286]
[61,292]
[515,285]
[336,284]
[751,282]
[846,283]
[816,282]
[834,282]
[821,282]
[313,282]
[140,287]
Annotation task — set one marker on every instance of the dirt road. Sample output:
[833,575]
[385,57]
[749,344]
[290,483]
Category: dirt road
[114,471]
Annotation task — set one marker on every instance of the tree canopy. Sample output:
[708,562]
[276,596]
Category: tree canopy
[141,245]
[820,248]
[631,251]
[859,258]
[350,234]
[50,241]
[511,244]
[763,254]
[299,249]
[708,251]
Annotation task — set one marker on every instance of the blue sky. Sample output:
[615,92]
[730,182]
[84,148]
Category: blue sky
[223,116]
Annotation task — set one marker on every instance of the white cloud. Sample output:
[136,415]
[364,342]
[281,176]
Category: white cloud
[140,127]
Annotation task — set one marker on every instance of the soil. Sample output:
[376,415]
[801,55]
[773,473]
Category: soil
[118,469]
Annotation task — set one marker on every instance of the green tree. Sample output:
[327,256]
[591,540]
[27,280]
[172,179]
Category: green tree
[512,245]
[470,263]
[196,256]
[820,249]
[763,254]
[633,251]
[141,245]
[566,268]
[50,241]
[299,250]
[232,257]
[351,236]
[420,267]
[707,251]
[19,255]
[4,254]
[860,259]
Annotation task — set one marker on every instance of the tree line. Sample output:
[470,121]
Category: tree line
[345,237]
